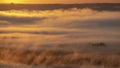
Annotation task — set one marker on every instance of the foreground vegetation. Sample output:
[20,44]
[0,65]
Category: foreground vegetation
[58,58]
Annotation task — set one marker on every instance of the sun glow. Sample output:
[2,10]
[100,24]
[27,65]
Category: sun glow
[58,1]
[12,1]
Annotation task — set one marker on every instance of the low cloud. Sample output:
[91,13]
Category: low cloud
[72,18]
[61,22]
[19,20]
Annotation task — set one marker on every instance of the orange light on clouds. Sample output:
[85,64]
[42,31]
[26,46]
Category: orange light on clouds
[59,1]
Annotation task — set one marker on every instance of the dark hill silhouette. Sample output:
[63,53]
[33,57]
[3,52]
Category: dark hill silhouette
[95,6]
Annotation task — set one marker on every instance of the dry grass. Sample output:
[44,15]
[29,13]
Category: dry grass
[58,58]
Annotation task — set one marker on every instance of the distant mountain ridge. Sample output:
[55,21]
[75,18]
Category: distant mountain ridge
[94,6]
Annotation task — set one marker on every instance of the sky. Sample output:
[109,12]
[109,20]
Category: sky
[59,1]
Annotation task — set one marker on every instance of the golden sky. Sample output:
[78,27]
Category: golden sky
[59,1]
